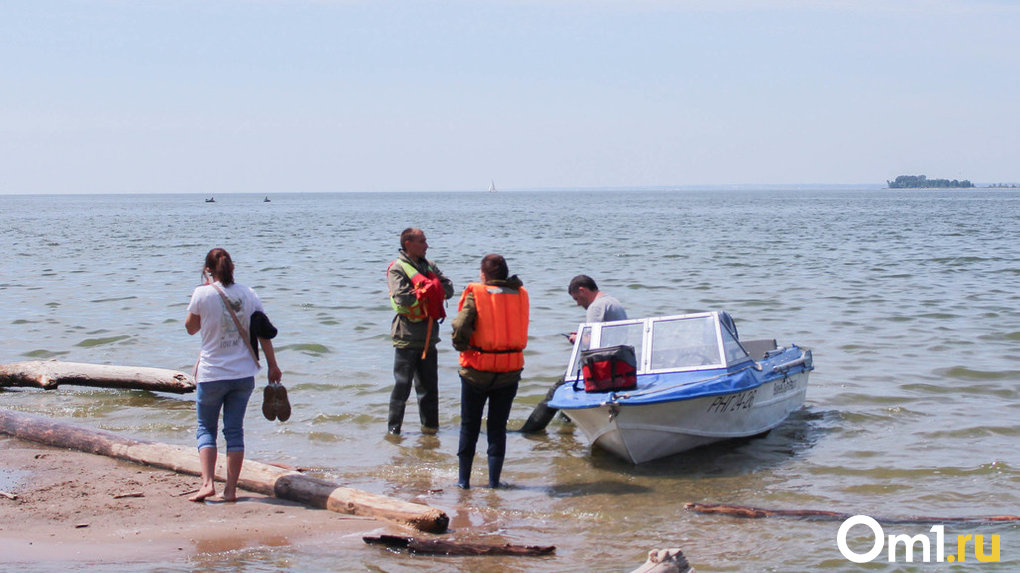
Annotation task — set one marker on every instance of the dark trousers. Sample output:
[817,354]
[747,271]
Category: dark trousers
[408,367]
[472,402]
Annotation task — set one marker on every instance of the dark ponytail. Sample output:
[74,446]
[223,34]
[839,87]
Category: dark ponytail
[219,264]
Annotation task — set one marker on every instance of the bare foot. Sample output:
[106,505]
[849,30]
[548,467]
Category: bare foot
[229,497]
[203,494]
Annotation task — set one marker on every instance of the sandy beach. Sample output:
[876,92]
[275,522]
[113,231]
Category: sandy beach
[80,507]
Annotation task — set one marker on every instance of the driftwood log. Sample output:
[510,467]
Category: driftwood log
[757,513]
[48,374]
[450,547]
[670,560]
[257,477]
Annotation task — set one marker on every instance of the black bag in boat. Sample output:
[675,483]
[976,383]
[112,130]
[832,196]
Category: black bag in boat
[608,369]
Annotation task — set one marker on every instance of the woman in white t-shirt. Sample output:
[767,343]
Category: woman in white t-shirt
[226,367]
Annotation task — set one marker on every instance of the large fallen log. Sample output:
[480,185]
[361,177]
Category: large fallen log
[255,476]
[48,374]
[758,513]
[450,547]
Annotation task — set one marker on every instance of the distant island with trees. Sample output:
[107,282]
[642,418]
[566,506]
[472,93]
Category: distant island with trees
[922,182]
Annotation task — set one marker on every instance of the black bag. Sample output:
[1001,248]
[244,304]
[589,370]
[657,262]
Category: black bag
[608,369]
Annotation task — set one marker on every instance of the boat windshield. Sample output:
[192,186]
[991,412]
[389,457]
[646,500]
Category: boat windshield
[684,343]
[608,334]
[671,343]
[734,351]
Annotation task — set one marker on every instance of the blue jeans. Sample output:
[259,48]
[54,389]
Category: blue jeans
[232,397]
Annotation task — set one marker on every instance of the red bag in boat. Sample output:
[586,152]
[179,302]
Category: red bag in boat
[608,369]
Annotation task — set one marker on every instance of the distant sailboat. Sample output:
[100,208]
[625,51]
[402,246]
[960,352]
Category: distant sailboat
[492,186]
[210,200]
[266,200]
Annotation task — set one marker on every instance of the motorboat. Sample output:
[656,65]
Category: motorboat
[696,383]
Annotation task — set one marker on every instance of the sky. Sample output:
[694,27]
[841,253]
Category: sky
[273,96]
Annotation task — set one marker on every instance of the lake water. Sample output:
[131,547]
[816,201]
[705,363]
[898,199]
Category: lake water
[909,299]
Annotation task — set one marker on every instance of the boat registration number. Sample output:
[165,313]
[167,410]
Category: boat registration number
[783,386]
[733,402]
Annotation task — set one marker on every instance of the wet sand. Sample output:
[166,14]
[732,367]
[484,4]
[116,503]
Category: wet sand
[74,506]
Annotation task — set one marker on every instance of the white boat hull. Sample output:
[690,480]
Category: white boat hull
[640,433]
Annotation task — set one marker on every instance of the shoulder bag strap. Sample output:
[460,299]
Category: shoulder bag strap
[237,323]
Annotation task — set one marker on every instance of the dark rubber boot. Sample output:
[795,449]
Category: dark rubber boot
[495,469]
[464,479]
[542,414]
[539,419]
[396,417]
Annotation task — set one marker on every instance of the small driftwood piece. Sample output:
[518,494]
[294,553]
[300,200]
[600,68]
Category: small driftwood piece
[670,560]
[757,513]
[10,496]
[255,476]
[450,547]
[48,374]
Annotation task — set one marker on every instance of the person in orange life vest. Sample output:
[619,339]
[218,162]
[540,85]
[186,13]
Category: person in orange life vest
[490,331]
[418,290]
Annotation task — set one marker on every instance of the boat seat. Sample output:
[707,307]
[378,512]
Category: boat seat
[758,348]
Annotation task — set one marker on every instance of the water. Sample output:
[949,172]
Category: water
[909,300]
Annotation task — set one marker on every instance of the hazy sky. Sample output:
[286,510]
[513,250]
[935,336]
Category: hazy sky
[319,95]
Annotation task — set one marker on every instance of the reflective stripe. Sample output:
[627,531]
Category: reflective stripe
[426,286]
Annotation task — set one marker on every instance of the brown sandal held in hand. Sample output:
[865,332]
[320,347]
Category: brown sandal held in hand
[269,402]
[282,403]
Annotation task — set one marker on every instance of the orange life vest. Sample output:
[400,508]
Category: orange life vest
[428,290]
[501,328]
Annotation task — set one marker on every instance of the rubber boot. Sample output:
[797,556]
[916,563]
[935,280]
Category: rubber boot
[542,414]
[396,417]
[539,419]
[495,469]
[464,478]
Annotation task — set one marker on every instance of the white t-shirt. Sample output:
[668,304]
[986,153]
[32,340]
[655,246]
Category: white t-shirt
[224,355]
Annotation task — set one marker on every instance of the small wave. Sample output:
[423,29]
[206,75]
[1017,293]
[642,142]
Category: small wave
[329,418]
[324,437]
[90,342]
[639,286]
[877,489]
[973,432]
[113,299]
[956,389]
[964,373]
[43,353]
[307,348]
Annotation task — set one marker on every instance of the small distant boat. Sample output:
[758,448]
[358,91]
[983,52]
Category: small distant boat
[696,383]
[492,186]
[266,200]
[210,200]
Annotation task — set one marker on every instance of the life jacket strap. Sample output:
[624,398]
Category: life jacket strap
[483,351]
